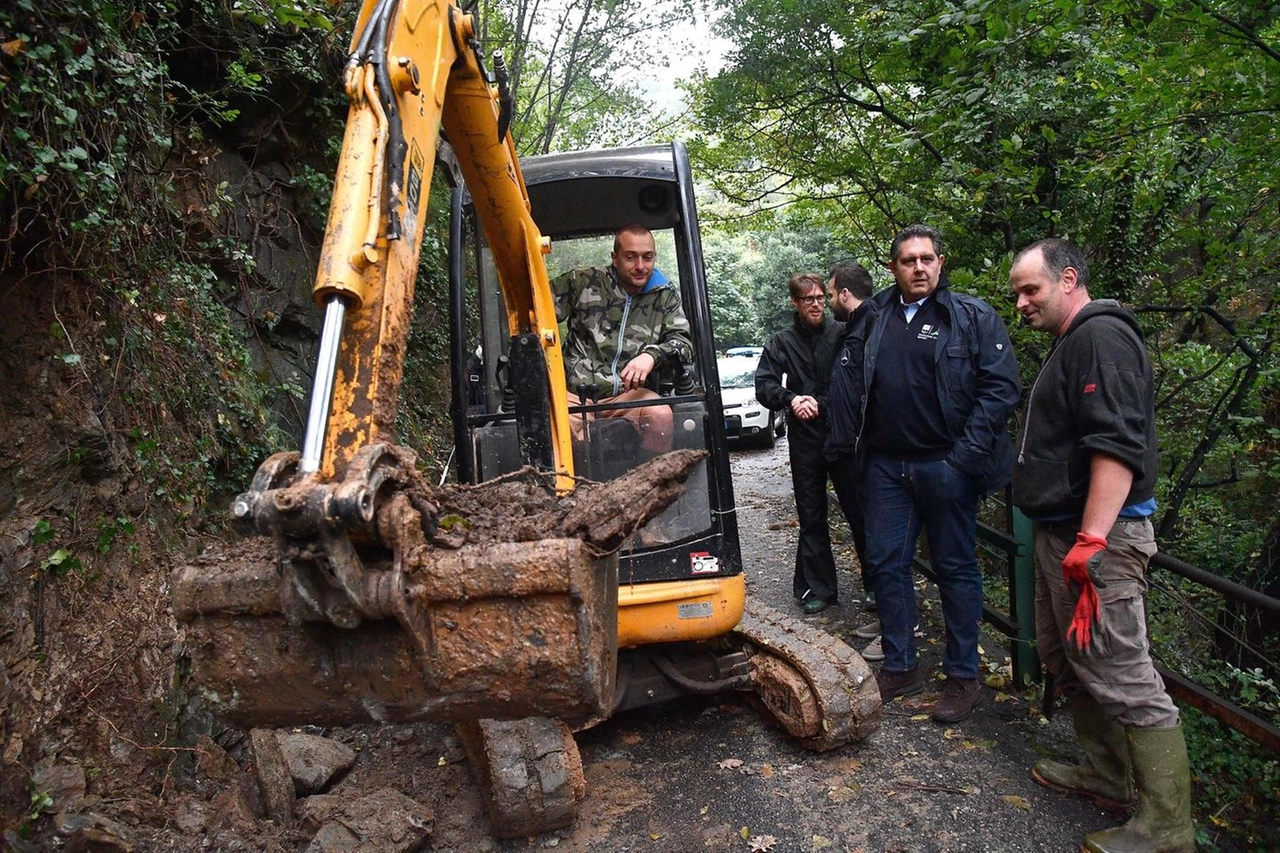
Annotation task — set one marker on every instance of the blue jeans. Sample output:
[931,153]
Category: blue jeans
[899,499]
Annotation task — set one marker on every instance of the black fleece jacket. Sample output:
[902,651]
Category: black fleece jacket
[1094,394]
[802,355]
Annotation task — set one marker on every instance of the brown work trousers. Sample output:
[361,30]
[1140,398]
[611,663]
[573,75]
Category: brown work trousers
[1116,669]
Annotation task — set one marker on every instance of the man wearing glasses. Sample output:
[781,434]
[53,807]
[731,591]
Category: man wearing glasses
[921,392]
[622,322]
[792,375]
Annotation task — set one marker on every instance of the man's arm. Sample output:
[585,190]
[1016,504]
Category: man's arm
[562,289]
[1109,483]
[769,372]
[674,342]
[996,393]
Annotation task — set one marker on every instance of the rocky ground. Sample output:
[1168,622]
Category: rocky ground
[705,774]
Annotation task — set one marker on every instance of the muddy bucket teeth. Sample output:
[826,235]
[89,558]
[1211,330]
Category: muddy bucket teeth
[819,689]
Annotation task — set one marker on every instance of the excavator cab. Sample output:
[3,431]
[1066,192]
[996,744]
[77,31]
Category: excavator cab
[681,575]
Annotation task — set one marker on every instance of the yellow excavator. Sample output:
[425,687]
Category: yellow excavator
[354,599]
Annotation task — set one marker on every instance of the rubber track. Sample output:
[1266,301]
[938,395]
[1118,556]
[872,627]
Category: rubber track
[844,685]
[529,770]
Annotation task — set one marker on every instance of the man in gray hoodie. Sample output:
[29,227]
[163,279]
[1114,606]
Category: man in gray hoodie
[1085,473]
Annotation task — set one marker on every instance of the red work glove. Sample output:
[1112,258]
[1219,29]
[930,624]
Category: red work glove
[1080,571]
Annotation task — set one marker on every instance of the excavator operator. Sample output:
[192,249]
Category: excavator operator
[623,321]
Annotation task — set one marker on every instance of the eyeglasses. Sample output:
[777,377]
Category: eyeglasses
[811,300]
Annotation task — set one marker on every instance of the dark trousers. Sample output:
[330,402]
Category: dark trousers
[815,568]
[902,498]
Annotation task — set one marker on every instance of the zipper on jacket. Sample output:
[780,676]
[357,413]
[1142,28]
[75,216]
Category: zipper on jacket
[622,331]
[1031,399]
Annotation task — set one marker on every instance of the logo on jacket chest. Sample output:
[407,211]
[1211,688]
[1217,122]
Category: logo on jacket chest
[928,332]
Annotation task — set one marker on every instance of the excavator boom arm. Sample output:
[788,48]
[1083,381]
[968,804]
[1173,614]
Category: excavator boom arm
[348,606]
[415,66]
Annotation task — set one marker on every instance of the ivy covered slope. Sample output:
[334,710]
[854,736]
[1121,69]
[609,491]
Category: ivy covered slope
[162,191]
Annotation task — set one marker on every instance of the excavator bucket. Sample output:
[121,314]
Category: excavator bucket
[503,631]
[353,611]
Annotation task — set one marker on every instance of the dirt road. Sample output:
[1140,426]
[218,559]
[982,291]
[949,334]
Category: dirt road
[713,775]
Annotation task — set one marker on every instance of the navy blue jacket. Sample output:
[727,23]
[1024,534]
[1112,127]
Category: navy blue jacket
[977,379]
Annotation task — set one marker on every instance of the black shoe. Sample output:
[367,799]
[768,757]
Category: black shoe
[959,697]
[816,605]
[895,684]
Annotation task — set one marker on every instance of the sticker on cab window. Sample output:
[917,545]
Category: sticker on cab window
[703,563]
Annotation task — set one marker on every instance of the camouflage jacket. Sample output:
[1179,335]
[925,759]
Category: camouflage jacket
[607,327]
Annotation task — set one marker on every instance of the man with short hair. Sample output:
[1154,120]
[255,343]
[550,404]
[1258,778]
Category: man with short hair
[920,396]
[849,286]
[792,374]
[623,321]
[1085,474]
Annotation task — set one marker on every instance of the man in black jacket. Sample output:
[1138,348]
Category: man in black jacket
[920,395]
[1085,474]
[792,375]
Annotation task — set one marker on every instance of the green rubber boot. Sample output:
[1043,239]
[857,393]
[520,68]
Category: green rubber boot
[1104,776]
[1162,823]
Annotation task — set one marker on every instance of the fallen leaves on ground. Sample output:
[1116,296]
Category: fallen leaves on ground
[762,843]
[730,764]
[1019,802]
[842,794]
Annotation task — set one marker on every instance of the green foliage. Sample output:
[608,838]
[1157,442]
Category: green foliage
[41,802]
[423,417]
[576,67]
[60,562]
[747,273]
[103,113]
[43,533]
[1144,132]
[1237,781]
[111,529]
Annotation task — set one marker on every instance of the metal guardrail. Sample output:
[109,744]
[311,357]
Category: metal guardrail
[1199,697]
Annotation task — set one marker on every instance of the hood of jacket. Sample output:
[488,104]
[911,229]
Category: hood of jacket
[1105,308]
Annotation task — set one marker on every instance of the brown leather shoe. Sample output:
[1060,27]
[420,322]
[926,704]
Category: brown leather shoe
[959,697]
[895,684]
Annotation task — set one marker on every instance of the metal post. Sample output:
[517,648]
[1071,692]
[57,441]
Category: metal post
[1022,601]
[322,385]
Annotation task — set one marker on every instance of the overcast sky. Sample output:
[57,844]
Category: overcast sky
[702,50]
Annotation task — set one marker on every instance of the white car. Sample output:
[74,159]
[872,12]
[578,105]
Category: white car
[745,417]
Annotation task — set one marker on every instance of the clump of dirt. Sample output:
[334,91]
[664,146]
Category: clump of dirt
[524,507]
